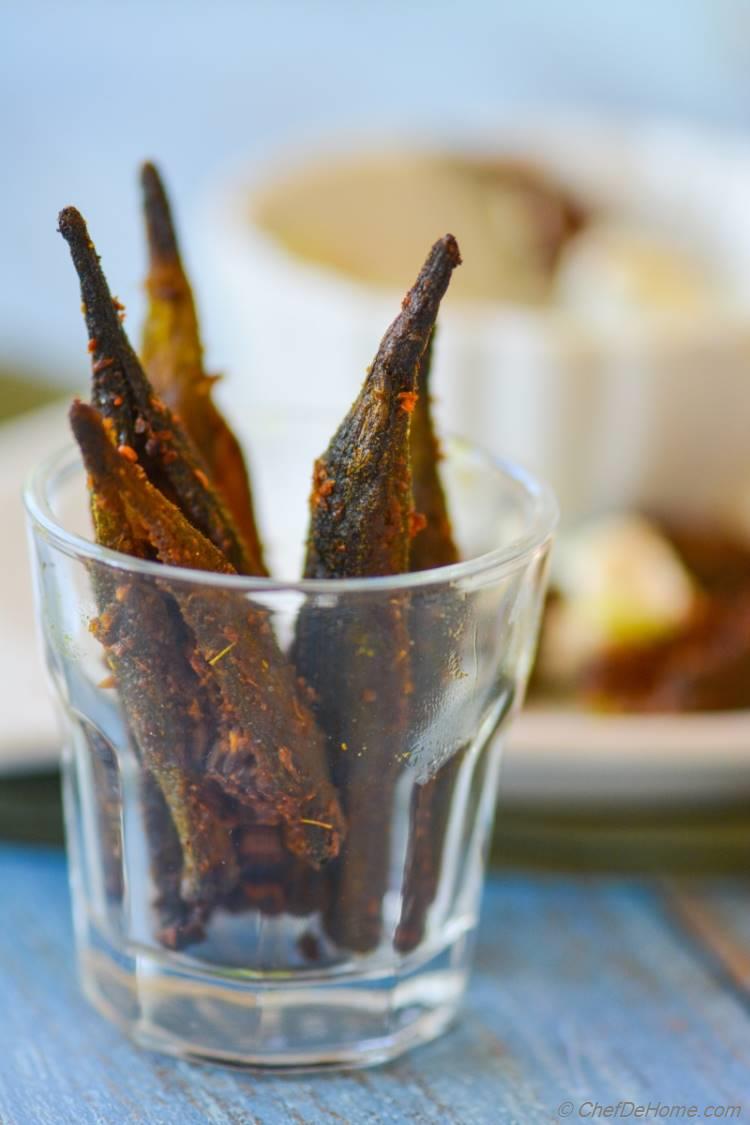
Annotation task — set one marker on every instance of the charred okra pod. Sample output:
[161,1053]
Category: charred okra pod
[433,546]
[429,814]
[180,923]
[148,652]
[361,525]
[361,504]
[142,426]
[269,752]
[106,775]
[172,355]
[263,859]
[177,918]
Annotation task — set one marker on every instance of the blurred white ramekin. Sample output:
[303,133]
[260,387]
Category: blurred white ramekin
[648,410]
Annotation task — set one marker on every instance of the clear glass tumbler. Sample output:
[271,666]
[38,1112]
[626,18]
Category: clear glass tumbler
[294,880]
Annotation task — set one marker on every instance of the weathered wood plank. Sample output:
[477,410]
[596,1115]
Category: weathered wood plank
[718,918]
[584,989]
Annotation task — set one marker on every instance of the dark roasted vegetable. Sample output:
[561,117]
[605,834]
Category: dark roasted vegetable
[428,820]
[269,750]
[179,923]
[148,652]
[359,665]
[172,355]
[108,794]
[142,426]
[361,504]
[433,546]
[151,703]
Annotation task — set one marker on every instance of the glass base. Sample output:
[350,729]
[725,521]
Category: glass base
[354,1018]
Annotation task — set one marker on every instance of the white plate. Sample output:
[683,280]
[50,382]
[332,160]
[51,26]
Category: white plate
[29,737]
[567,756]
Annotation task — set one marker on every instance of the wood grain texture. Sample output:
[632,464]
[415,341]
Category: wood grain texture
[718,918]
[583,989]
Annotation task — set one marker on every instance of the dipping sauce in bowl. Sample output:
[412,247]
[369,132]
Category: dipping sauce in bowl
[601,322]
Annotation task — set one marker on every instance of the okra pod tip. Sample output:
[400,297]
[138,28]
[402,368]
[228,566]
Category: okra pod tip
[160,230]
[111,354]
[396,363]
[94,289]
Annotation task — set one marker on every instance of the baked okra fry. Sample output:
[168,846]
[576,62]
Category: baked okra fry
[269,752]
[143,426]
[172,354]
[361,504]
[361,525]
[148,651]
[180,920]
[429,814]
[181,923]
[108,796]
[432,546]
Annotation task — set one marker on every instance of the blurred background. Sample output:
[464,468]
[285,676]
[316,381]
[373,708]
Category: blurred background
[88,90]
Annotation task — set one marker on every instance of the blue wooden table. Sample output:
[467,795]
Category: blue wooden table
[585,991]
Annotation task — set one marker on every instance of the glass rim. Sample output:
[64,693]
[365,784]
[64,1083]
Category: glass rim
[538,530]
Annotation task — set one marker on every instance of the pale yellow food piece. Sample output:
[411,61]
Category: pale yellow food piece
[609,271]
[621,582]
[370,217]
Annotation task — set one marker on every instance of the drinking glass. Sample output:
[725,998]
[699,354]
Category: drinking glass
[218,918]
